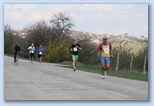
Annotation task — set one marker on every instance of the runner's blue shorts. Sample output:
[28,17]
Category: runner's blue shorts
[105,60]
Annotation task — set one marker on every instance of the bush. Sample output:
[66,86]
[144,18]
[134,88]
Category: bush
[57,51]
[88,53]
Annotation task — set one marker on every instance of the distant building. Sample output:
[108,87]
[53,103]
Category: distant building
[98,35]
[95,40]
[90,34]
[15,33]
[75,39]
[107,35]
[87,37]
[125,35]
[84,33]
[22,34]
[142,37]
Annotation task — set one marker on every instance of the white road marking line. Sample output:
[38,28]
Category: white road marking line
[63,79]
[116,93]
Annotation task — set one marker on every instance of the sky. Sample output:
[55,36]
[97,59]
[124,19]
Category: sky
[113,19]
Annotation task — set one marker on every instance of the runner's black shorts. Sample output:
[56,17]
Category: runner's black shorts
[32,55]
[39,56]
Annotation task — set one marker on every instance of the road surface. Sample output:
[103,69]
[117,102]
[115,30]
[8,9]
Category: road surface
[46,81]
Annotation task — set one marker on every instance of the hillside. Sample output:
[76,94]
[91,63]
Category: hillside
[130,42]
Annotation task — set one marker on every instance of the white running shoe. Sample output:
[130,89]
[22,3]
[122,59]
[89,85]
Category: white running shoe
[74,68]
[103,77]
[105,73]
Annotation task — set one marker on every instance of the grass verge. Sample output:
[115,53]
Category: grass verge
[97,69]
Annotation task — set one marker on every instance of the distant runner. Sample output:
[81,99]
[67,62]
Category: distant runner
[104,52]
[17,49]
[40,52]
[75,52]
[31,51]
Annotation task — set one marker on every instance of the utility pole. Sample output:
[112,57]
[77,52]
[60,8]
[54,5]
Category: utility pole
[117,61]
[131,61]
[145,61]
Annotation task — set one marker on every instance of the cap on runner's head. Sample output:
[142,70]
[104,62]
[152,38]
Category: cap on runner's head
[104,38]
[32,44]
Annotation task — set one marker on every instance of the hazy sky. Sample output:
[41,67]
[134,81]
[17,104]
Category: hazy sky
[96,18]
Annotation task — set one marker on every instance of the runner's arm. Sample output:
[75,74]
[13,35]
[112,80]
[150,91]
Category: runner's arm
[29,48]
[99,49]
[98,54]
[79,47]
[71,48]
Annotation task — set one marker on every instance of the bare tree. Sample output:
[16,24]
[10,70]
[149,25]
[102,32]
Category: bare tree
[60,23]
[40,33]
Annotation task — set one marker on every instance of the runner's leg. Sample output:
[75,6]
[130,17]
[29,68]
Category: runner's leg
[15,53]
[107,66]
[76,58]
[40,58]
[107,63]
[102,66]
[73,59]
[33,57]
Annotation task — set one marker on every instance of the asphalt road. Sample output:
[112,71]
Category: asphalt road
[46,81]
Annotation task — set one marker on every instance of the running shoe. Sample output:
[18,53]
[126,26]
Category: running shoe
[105,73]
[74,68]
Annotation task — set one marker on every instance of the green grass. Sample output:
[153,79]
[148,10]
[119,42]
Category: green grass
[97,69]
[11,55]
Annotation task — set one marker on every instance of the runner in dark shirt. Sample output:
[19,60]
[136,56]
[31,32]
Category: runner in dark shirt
[75,53]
